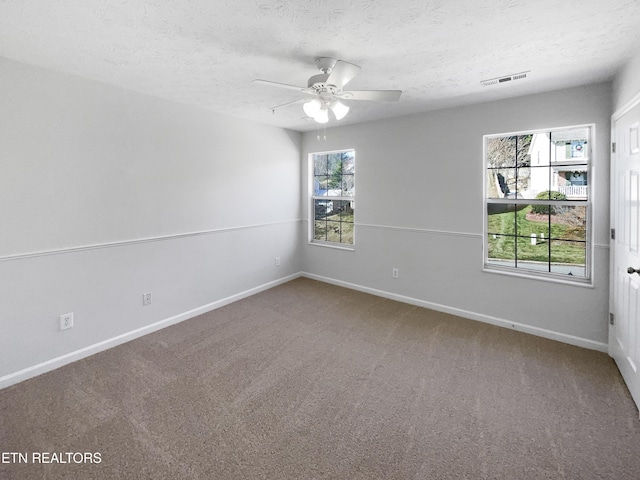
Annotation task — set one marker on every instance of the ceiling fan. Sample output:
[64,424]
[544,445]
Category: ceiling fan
[325,91]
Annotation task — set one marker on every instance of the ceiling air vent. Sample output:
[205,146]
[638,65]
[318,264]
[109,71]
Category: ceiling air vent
[507,78]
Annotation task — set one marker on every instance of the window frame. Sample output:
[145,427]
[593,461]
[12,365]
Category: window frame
[313,198]
[588,279]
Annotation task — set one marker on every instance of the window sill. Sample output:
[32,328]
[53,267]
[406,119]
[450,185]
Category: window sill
[336,246]
[545,277]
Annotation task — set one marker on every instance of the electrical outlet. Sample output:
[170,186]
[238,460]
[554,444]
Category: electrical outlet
[66,321]
[277,261]
[395,273]
[146,299]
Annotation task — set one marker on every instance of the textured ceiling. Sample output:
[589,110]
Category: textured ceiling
[206,52]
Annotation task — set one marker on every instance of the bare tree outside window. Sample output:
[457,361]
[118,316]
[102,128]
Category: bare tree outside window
[333,198]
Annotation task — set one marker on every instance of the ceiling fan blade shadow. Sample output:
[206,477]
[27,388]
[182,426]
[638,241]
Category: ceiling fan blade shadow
[342,73]
[372,95]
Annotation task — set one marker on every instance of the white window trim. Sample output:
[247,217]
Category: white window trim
[587,281]
[312,197]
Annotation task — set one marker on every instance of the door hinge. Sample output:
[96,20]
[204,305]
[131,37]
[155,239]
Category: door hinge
[612,320]
[613,147]
[613,234]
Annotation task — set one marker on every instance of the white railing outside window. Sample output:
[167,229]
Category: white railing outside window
[574,190]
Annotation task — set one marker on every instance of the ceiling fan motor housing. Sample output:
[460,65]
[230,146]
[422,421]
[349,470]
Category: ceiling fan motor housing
[319,82]
[321,78]
[324,90]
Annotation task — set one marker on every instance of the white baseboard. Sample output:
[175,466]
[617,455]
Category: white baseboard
[500,322]
[58,362]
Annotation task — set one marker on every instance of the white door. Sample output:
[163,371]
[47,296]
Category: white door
[624,334]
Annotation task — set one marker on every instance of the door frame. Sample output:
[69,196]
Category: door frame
[629,105]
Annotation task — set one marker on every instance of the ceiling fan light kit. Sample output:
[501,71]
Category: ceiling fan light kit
[318,110]
[322,115]
[326,90]
[312,107]
[339,109]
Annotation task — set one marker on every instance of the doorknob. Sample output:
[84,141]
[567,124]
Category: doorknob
[633,270]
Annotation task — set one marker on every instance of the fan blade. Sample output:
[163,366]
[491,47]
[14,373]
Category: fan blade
[295,102]
[342,73]
[373,95]
[283,85]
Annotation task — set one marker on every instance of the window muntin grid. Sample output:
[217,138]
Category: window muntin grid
[333,197]
[527,230]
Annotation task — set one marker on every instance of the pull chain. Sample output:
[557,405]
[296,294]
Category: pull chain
[324,136]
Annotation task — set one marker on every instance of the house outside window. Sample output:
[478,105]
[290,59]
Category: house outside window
[333,197]
[538,203]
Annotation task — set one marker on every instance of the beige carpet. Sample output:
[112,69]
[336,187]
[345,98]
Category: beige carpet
[313,381]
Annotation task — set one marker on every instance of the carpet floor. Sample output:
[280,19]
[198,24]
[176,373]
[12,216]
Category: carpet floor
[313,381]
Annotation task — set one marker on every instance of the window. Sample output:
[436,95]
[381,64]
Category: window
[538,203]
[332,201]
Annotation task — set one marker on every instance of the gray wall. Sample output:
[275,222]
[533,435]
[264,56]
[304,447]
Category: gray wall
[627,83]
[419,183]
[106,194]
